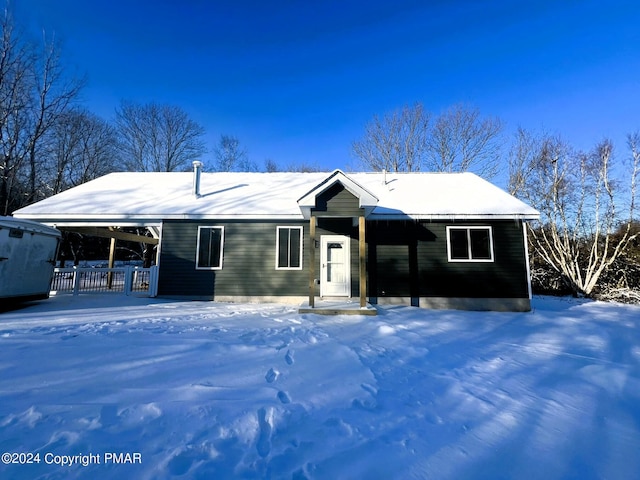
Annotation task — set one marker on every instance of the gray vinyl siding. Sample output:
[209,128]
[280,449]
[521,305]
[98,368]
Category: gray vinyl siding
[505,277]
[392,262]
[410,259]
[404,259]
[248,263]
[337,201]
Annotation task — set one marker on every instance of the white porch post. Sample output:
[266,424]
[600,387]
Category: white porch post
[526,258]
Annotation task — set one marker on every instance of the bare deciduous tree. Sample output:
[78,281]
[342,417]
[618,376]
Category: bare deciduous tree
[302,167]
[34,93]
[230,156]
[270,165]
[305,167]
[52,97]
[413,139]
[461,140]
[158,138]
[14,61]
[395,142]
[582,229]
[80,147]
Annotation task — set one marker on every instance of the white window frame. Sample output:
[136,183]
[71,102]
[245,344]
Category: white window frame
[221,228]
[295,227]
[468,228]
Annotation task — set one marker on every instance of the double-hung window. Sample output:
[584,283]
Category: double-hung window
[288,248]
[470,244]
[210,247]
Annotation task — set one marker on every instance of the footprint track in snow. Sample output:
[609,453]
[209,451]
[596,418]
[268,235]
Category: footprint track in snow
[263,445]
[271,376]
[289,358]
[284,397]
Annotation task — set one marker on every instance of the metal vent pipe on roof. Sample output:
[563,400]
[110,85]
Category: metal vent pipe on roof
[197,170]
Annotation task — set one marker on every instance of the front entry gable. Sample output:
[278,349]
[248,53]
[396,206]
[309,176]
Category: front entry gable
[330,188]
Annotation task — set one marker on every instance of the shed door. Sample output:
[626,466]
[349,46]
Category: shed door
[26,262]
[335,265]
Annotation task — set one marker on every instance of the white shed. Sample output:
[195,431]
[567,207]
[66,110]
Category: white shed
[27,259]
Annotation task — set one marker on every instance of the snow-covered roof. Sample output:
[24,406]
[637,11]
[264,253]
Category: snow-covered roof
[27,226]
[145,198]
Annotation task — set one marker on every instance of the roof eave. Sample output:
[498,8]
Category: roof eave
[156,220]
[453,216]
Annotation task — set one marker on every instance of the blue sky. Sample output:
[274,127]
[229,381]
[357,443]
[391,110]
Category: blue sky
[296,81]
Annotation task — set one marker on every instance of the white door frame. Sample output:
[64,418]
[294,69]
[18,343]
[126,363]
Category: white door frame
[332,289]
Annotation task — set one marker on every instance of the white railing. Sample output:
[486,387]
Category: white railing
[127,280]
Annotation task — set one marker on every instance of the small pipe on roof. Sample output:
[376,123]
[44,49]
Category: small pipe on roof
[384,173]
[197,169]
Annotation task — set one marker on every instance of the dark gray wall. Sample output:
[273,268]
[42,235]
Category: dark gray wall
[248,264]
[404,258]
[337,201]
[410,259]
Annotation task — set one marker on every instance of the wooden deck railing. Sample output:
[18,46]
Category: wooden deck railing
[127,280]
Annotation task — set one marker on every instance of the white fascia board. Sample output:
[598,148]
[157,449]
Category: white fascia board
[451,217]
[154,221]
[101,221]
[222,217]
[90,223]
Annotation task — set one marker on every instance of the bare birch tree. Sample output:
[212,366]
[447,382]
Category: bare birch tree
[158,138]
[583,228]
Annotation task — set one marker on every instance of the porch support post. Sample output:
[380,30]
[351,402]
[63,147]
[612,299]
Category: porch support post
[362,265]
[112,261]
[312,260]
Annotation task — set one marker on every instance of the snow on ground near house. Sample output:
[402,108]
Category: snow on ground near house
[208,390]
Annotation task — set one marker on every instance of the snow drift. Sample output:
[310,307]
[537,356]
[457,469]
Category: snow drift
[208,390]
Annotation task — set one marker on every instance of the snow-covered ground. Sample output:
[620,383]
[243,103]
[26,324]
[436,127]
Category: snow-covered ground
[207,390]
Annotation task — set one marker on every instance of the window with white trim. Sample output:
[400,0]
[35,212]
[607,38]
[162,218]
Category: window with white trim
[210,247]
[288,248]
[470,244]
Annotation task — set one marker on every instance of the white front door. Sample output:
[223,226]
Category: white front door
[335,266]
